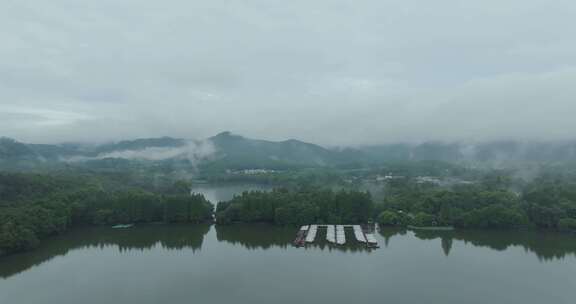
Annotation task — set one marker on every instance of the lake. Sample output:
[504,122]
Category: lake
[225,191]
[257,264]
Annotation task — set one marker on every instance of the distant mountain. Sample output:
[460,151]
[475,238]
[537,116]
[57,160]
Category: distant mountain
[488,152]
[230,151]
[12,150]
[57,152]
[238,152]
[140,144]
[438,151]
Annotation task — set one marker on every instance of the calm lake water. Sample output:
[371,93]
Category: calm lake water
[257,264]
[223,192]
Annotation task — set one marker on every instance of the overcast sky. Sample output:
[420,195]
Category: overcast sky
[333,72]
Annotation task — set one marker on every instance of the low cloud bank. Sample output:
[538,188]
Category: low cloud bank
[194,151]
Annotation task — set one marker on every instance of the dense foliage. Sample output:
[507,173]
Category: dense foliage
[33,207]
[296,207]
[547,202]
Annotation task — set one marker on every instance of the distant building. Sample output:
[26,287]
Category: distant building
[255,171]
[428,179]
[383,178]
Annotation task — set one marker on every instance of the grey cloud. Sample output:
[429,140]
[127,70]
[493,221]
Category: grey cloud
[333,72]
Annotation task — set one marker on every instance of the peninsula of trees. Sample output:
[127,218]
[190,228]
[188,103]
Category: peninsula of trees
[34,207]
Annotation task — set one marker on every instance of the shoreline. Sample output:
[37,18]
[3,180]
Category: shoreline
[431,228]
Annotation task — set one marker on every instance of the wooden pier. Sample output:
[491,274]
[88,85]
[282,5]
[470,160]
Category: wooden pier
[335,234]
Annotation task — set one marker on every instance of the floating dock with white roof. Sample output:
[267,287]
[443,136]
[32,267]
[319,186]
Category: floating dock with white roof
[359,234]
[340,235]
[371,239]
[301,236]
[335,234]
[331,234]
[311,233]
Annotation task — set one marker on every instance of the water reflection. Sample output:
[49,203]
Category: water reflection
[389,232]
[545,245]
[146,237]
[256,236]
[263,236]
[226,191]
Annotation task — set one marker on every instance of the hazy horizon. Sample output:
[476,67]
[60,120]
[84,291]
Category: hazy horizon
[463,143]
[334,73]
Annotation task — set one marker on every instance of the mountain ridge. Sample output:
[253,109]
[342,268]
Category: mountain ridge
[227,150]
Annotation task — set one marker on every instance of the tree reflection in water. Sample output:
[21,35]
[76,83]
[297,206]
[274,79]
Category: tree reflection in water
[545,245]
[145,237]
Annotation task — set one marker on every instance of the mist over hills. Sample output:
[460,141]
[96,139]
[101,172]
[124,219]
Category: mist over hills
[230,151]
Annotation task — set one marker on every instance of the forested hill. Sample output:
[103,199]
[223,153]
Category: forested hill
[485,152]
[234,151]
[223,151]
[229,151]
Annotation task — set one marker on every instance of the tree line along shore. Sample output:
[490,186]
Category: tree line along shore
[34,207]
